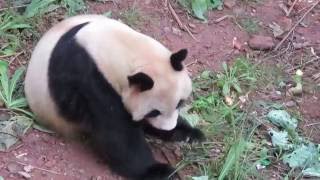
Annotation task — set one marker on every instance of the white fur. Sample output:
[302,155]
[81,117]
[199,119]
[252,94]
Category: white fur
[118,51]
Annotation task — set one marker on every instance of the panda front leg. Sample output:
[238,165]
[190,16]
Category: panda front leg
[182,132]
[126,151]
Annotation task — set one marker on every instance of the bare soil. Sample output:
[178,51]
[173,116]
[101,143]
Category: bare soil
[56,158]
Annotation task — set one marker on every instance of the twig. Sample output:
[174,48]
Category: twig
[193,62]
[312,124]
[41,169]
[294,27]
[181,25]
[15,7]
[310,61]
[15,57]
[293,4]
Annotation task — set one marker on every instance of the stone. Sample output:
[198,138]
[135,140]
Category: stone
[229,3]
[290,104]
[258,42]
[176,31]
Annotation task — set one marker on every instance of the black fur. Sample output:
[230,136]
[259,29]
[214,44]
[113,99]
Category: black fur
[177,58]
[141,80]
[83,96]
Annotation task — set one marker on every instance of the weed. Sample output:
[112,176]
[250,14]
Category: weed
[10,26]
[226,124]
[199,8]
[9,87]
[132,16]
[40,7]
[73,6]
[250,25]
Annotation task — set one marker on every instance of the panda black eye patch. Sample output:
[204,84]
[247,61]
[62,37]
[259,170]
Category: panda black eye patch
[153,113]
[181,102]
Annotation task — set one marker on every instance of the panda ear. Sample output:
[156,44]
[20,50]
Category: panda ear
[177,58]
[141,81]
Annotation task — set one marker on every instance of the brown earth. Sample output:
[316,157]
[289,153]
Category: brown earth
[56,158]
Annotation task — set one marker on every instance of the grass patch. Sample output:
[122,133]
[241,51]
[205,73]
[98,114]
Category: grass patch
[250,25]
[200,8]
[225,124]
[132,16]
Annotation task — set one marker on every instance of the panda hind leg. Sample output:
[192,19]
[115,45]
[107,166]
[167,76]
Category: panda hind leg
[182,132]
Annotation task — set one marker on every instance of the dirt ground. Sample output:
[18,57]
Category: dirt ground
[56,158]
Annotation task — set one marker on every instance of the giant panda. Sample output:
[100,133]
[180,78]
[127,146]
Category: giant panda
[95,75]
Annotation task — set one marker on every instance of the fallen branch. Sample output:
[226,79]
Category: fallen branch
[41,169]
[181,25]
[294,27]
[293,4]
[310,61]
[191,63]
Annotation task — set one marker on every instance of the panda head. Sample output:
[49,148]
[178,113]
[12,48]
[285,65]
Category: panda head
[157,90]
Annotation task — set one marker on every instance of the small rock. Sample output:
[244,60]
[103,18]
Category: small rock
[24,174]
[258,42]
[229,3]
[28,168]
[192,25]
[290,103]
[275,95]
[13,168]
[4,116]
[176,31]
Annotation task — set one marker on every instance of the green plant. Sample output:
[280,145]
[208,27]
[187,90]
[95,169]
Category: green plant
[39,7]
[242,72]
[9,87]
[199,8]
[73,6]
[228,79]
[250,25]
[132,16]
[206,103]
[10,24]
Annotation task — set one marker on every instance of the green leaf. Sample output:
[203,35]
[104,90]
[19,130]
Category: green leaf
[282,119]
[108,14]
[4,80]
[73,6]
[236,86]
[312,171]
[37,7]
[192,119]
[280,139]
[213,4]
[302,156]
[200,178]
[13,82]
[226,89]
[18,103]
[233,156]
[199,7]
